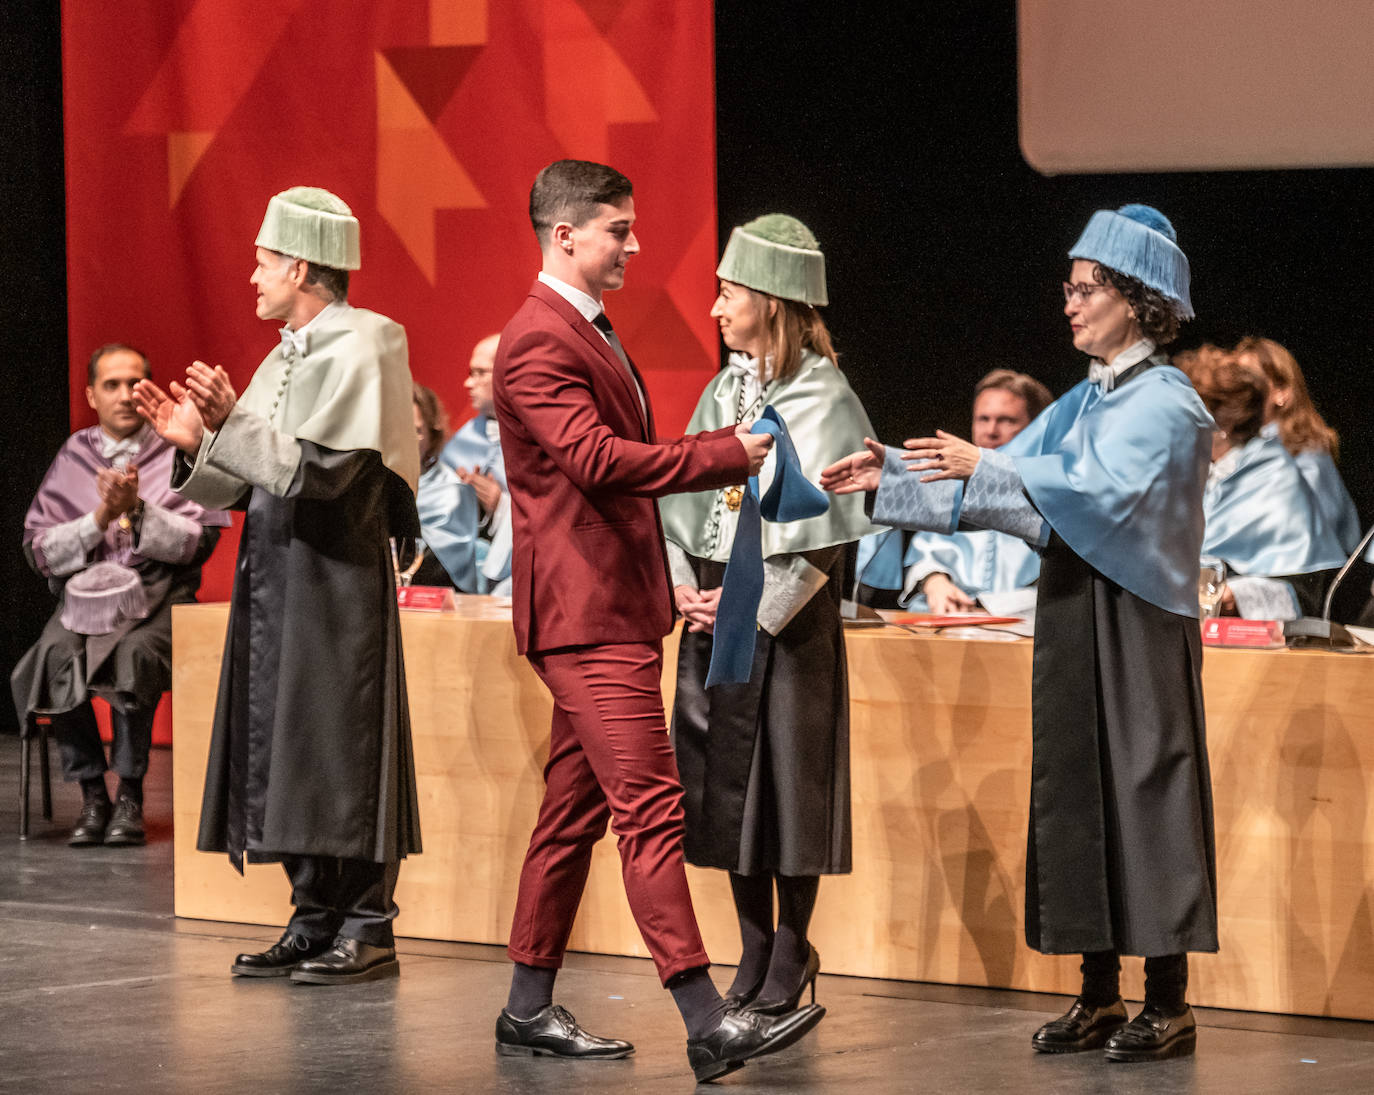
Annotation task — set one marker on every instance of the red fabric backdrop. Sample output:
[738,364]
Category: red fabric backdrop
[430,118]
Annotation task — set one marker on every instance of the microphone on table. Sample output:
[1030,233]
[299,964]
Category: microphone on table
[1309,631]
[851,611]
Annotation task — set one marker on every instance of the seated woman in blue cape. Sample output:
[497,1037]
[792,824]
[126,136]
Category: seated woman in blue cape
[1262,520]
[1291,416]
[446,554]
[1108,483]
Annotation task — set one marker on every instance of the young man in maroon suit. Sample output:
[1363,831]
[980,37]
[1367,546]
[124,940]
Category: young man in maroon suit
[592,601]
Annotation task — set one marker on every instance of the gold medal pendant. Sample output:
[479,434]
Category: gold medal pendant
[734,496]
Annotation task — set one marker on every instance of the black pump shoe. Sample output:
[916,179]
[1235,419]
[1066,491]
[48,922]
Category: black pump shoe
[1081,1027]
[745,1034]
[744,999]
[1154,1036]
[280,958]
[553,1032]
[789,1003]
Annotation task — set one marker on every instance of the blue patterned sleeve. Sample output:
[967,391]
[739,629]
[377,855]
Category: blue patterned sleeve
[903,501]
[995,499]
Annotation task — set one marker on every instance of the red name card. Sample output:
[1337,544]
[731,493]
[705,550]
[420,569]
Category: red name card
[426,598]
[1231,631]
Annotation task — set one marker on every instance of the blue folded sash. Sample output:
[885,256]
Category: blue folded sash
[791,497]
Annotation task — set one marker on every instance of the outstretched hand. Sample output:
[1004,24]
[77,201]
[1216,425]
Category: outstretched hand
[860,471]
[944,456]
[174,417]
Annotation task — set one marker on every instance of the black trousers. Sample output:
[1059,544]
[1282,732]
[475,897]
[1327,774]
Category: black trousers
[347,898]
[83,755]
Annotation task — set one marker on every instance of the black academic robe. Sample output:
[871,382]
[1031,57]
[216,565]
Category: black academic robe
[765,764]
[311,750]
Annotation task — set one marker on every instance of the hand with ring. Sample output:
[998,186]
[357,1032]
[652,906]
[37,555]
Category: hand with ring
[943,456]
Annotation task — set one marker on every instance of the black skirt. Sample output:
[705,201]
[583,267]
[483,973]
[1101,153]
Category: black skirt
[1121,854]
[765,765]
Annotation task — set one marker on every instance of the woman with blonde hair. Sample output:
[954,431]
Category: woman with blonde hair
[765,764]
[1291,415]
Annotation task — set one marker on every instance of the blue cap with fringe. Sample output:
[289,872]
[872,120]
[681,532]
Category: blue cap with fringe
[1139,241]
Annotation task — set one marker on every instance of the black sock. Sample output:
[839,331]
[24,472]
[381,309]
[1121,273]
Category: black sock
[1101,978]
[696,997]
[531,990]
[1166,983]
[796,900]
[93,790]
[130,788]
[754,905]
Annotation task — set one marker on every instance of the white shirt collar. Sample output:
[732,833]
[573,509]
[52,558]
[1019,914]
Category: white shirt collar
[300,336]
[588,307]
[127,447]
[1107,375]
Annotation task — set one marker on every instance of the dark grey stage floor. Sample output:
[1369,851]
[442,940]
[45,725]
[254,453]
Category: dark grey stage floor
[102,989]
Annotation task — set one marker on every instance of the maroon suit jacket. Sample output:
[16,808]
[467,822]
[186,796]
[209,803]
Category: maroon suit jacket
[583,467]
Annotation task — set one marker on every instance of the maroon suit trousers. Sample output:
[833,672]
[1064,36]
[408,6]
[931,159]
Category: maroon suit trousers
[609,760]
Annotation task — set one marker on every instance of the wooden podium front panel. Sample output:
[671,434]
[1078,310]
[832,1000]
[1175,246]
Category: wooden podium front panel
[940,744]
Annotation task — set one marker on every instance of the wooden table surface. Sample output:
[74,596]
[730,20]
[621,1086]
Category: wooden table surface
[941,758]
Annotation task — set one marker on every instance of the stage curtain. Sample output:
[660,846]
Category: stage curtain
[431,119]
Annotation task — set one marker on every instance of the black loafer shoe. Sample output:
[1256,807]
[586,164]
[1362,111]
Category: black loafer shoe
[280,958]
[126,826]
[91,823]
[745,1034]
[1154,1036]
[1081,1027]
[553,1032]
[346,961]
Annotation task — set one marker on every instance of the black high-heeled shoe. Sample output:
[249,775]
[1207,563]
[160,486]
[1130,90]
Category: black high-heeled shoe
[744,999]
[789,1003]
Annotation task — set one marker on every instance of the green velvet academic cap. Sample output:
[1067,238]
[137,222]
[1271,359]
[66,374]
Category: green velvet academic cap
[778,255]
[308,223]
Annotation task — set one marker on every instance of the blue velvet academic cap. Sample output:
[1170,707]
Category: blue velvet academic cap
[1139,241]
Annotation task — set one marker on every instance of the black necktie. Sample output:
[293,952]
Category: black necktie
[602,322]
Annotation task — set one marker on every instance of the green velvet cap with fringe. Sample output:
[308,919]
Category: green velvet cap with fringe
[776,254]
[308,223]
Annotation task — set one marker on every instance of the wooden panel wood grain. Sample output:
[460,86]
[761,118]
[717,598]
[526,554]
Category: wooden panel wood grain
[941,760]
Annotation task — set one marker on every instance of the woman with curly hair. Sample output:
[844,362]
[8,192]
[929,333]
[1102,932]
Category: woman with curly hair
[1108,483]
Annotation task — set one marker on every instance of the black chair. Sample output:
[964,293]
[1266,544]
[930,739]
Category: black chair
[34,726]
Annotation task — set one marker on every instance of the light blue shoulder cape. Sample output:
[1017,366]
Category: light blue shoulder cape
[1263,521]
[1333,500]
[448,523]
[1120,478]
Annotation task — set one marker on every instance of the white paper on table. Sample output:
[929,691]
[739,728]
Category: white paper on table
[1012,602]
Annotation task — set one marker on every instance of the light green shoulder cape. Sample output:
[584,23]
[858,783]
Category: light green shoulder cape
[351,389]
[826,422]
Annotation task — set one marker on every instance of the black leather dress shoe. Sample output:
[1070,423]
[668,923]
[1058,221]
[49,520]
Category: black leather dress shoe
[91,823]
[1081,1027]
[745,1034]
[280,958]
[126,826]
[346,961]
[1154,1036]
[553,1032]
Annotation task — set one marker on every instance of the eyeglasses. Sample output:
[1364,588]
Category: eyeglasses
[1083,290]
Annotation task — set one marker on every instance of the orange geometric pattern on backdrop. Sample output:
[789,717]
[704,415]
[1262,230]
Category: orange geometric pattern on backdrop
[430,118]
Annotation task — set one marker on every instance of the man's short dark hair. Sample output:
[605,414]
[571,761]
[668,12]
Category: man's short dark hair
[571,190]
[332,280]
[114,348]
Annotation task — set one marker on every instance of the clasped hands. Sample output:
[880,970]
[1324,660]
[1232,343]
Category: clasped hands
[943,456]
[202,403]
[118,491]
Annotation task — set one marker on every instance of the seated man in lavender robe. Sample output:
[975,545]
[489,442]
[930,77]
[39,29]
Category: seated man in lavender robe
[106,499]
[474,453]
